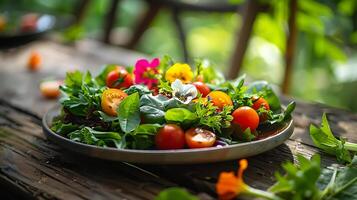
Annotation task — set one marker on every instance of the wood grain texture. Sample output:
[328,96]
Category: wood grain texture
[33,167]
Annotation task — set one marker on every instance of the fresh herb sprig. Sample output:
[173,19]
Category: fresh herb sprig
[324,139]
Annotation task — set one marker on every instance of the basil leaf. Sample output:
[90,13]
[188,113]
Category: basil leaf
[147,129]
[129,114]
[141,89]
[180,116]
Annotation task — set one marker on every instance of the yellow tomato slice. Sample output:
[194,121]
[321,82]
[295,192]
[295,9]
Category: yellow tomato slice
[111,98]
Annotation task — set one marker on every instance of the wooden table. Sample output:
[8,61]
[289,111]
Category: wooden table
[32,167]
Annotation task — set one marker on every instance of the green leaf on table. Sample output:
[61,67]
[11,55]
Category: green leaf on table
[325,140]
[339,183]
[129,113]
[299,182]
[180,116]
[175,193]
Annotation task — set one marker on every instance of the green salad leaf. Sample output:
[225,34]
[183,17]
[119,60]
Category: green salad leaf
[325,140]
[266,91]
[152,108]
[88,135]
[141,89]
[102,76]
[129,113]
[180,116]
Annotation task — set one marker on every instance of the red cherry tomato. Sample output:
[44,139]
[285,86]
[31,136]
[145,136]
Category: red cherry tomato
[170,136]
[119,78]
[199,138]
[246,117]
[202,88]
[258,102]
[219,99]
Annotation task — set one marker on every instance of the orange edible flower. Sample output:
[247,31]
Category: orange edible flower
[34,61]
[229,185]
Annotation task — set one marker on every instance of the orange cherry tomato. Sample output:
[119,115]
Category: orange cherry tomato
[119,78]
[219,99]
[246,117]
[50,89]
[199,138]
[258,102]
[111,98]
[170,136]
[202,88]
[34,61]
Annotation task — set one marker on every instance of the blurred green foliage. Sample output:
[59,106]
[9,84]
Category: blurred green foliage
[325,65]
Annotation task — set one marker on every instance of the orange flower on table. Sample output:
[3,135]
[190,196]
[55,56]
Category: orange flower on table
[179,71]
[34,61]
[230,185]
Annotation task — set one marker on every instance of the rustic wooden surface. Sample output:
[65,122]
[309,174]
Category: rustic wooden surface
[34,168]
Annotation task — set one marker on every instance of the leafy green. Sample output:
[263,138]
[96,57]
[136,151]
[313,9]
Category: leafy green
[82,94]
[339,182]
[63,128]
[280,118]
[141,89]
[180,116]
[129,113]
[209,116]
[142,137]
[299,181]
[266,91]
[152,108]
[102,76]
[325,140]
[175,193]
[87,135]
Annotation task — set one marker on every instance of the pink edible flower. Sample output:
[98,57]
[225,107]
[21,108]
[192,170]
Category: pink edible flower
[145,72]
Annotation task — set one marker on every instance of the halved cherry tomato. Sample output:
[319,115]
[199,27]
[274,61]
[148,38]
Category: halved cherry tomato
[50,89]
[199,138]
[170,136]
[111,98]
[119,78]
[202,88]
[258,102]
[246,117]
[219,99]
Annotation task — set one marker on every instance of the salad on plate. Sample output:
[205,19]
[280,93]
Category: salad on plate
[162,105]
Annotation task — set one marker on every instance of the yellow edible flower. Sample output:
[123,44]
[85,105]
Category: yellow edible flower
[179,71]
